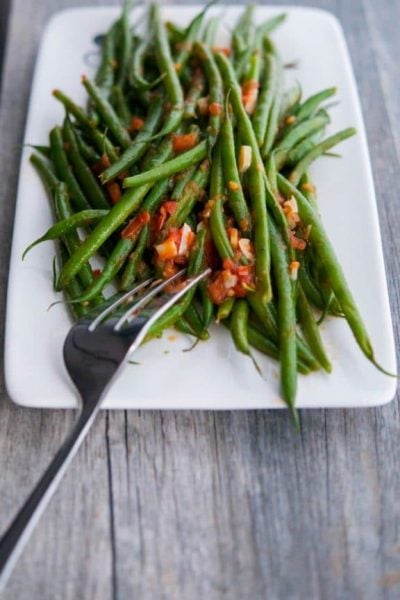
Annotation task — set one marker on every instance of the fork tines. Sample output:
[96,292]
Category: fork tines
[141,295]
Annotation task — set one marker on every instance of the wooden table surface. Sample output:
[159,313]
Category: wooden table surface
[193,505]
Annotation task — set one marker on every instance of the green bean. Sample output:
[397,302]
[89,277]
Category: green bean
[290,102]
[296,135]
[269,26]
[82,172]
[266,97]
[106,72]
[191,35]
[193,191]
[124,43]
[256,179]
[310,330]
[175,165]
[40,149]
[206,304]
[193,318]
[217,223]
[241,33]
[136,77]
[300,150]
[120,104]
[140,145]
[287,322]
[176,34]
[309,107]
[63,227]
[238,325]
[215,89]
[116,260]
[195,91]
[210,30]
[225,309]
[128,203]
[107,113]
[171,79]
[181,181]
[73,289]
[334,271]
[45,171]
[130,272]
[183,326]
[261,343]
[317,151]
[236,199]
[263,312]
[87,152]
[100,140]
[311,291]
[64,170]
[71,239]
[273,116]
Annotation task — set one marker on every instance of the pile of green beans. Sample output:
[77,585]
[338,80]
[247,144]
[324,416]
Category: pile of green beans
[183,138]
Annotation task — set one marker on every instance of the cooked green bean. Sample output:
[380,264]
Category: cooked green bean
[287,322]
[106,71]
[132,154]
[236,198]
[82,172]
[100,140]
[175,165]
[127,204]
[193,191]
[64,226]
[268,89]
[296,135]
[107,114]
[310,330]
[215,90]
[334,271]
[256,178]
[171,80]
[317,151]
[238,325]
[310,106]
[130,271]
[64,170]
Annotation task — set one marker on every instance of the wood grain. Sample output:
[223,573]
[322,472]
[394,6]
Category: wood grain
[192,505]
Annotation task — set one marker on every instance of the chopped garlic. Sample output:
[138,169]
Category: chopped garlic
[245,156]
[246,248]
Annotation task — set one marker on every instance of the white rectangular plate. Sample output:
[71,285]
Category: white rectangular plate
[213,375]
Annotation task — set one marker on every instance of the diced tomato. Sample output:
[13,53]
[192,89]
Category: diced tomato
[105,161]
[297,243]
[250,95]
[96,273]
[166,209]
[211,254]
[136,123]
[215,109]
[216,289]
[166,250]
[114,191]
[135,225]
[184,141]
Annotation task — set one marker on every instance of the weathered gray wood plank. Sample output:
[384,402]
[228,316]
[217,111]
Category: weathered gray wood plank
[226,505]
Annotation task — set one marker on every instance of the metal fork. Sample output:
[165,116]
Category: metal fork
[95,351]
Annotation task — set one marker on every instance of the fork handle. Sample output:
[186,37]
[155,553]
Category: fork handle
[18,533]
